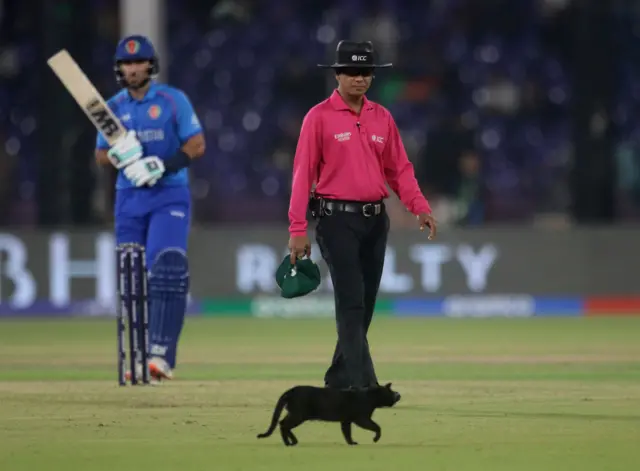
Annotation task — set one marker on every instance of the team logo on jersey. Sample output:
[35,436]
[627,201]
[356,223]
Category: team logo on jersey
[132,46]
[154,111]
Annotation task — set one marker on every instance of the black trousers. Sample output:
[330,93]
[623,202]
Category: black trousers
[353,246]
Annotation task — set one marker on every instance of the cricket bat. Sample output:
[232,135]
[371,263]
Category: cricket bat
[86,95]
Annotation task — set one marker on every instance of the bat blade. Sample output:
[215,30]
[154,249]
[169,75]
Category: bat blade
[86,95]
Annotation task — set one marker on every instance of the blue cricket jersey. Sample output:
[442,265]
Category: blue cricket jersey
[163,120]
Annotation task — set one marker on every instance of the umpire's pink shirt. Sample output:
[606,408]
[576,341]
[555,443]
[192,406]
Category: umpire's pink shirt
[350,157]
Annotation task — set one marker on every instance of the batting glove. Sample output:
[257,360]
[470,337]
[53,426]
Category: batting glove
[146,171]
[126,150]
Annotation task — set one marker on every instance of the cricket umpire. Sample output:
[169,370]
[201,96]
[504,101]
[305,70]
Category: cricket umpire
[350,148]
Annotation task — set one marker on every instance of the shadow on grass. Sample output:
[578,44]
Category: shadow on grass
[362,444]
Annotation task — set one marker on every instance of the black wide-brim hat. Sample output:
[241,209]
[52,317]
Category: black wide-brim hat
[354,54]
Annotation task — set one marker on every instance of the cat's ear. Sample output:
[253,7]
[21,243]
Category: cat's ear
[388,385]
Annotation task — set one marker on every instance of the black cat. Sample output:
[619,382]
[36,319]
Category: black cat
[331,405]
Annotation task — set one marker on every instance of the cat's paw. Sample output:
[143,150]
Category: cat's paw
[353,443]
[376,439]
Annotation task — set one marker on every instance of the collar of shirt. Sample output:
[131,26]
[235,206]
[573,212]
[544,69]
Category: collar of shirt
[339,104]
[150,95]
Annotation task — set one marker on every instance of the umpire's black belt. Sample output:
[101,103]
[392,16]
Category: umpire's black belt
[366,209]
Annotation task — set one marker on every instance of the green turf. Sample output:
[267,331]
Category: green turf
[491,394]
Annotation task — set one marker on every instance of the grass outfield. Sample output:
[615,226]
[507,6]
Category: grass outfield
[491,394]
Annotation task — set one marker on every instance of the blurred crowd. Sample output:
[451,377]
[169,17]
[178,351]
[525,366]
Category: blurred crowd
[480,90]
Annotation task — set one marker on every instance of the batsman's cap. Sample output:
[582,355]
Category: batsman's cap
[354,54]
[299,279]
[135,48]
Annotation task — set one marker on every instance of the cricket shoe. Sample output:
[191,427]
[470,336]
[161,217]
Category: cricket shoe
[152,380]
[160,369]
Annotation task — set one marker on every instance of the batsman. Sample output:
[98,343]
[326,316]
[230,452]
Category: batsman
[153,202]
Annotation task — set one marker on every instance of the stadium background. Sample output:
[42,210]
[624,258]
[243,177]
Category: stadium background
[519,116]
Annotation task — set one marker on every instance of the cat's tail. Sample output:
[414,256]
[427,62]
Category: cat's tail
[276,415]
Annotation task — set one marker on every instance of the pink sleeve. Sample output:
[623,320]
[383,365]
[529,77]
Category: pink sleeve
[399,173]
[305,169]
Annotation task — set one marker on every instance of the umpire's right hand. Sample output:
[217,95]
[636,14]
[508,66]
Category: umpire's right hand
[299,246]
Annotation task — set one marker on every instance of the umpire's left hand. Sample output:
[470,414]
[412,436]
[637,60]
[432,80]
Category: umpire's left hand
[299,246]
[425,220]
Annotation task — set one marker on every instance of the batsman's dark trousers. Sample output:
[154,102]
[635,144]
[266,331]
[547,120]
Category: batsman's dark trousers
[353,246]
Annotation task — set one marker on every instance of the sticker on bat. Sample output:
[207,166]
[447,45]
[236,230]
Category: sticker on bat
[102,118]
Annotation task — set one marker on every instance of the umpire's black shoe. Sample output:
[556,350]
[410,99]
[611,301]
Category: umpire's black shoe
[345,387]
[356,388]
[337,386]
